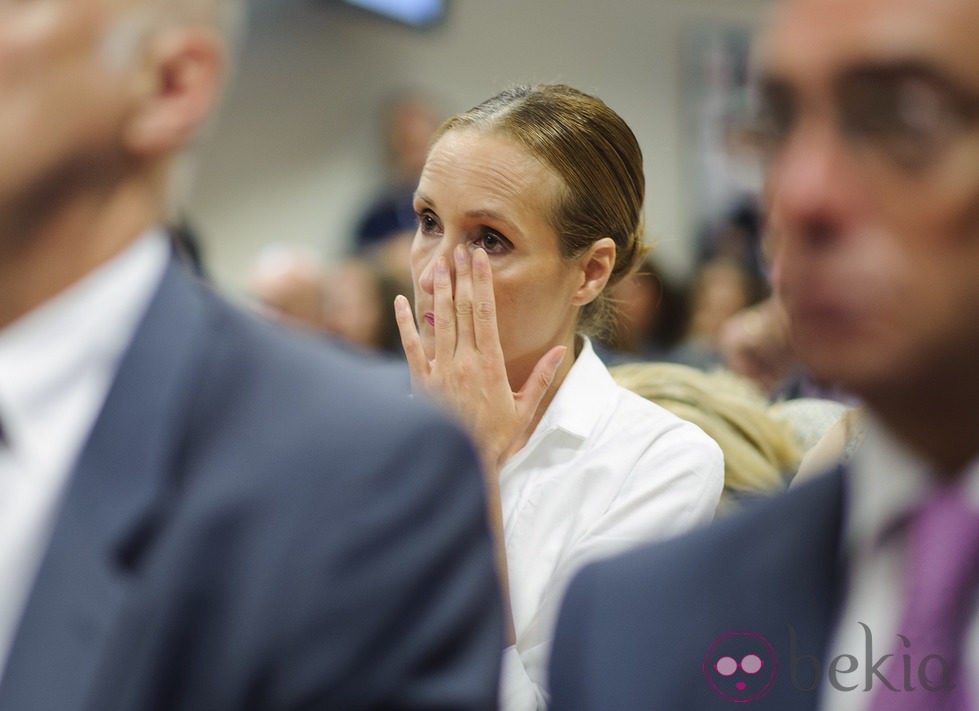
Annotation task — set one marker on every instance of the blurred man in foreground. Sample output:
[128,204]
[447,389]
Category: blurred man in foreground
[197,510]
[857,591]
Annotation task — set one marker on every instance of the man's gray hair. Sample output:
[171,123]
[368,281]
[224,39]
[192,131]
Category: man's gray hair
[146,17]
[227,16]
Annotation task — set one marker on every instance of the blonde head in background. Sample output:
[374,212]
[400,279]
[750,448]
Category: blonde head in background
[760,449]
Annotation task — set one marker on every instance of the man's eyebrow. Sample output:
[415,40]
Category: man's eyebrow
[957,89]
[768,80]
[899,69]
[964,97]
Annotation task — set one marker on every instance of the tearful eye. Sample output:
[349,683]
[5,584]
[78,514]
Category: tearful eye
[492,243]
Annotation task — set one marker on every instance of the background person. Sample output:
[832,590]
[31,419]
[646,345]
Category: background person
[358,305]
[408,121]
[287,282]
[529,206]
[720,288]
[650,316]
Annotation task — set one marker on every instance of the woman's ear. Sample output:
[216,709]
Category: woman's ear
[182,78]
[596,267]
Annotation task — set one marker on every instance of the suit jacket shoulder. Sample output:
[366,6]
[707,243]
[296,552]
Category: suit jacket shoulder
[259,520]
[647,628]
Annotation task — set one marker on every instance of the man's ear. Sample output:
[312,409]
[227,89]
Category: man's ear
[183,76]
[596,267]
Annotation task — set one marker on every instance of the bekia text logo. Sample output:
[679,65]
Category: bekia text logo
[741,666]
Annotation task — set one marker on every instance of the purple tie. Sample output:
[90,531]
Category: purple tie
[943,559]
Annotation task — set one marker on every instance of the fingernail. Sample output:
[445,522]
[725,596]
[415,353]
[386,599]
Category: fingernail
[460,255]
[441,268]
[480,258]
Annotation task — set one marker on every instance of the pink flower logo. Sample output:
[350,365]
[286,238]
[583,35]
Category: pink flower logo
[741,666]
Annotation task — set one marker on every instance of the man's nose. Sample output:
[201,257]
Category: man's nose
[813,184]
[805,175]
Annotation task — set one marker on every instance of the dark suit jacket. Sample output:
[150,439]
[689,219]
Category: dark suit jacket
[647,630]
[258,521]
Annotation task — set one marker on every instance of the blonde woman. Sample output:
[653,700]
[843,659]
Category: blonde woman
[529,207]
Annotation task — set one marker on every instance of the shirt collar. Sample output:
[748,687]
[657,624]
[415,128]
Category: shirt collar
[579,402]
[81,331]
[888,480]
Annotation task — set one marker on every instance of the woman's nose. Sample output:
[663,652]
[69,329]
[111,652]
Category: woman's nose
[427,278]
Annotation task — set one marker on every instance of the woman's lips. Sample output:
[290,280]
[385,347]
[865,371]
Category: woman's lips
[430,317]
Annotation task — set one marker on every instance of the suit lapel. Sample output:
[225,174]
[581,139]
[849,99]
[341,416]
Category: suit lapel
[114,504]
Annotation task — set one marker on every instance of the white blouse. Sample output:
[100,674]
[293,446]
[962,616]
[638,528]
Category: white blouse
[604,470]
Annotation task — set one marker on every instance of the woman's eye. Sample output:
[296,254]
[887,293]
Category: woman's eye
[492,243]
[427,223]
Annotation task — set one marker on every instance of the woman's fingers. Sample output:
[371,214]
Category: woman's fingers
[486,331]
[532,392]
[445,315]
[476,388]
[410,340]
[463,298]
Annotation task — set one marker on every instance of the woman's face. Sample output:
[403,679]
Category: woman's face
[483,190]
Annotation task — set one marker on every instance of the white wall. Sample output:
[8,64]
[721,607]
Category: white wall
[294,154]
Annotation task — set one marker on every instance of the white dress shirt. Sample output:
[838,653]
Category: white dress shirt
[56,365]
[886,481]
[604,470]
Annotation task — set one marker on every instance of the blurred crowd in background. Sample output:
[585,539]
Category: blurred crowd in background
[711,345]
[719,316]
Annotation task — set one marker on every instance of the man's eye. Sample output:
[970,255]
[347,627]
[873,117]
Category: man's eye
[774,121]
[908,122]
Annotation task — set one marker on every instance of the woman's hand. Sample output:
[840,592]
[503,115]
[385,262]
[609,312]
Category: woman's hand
[468,372]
